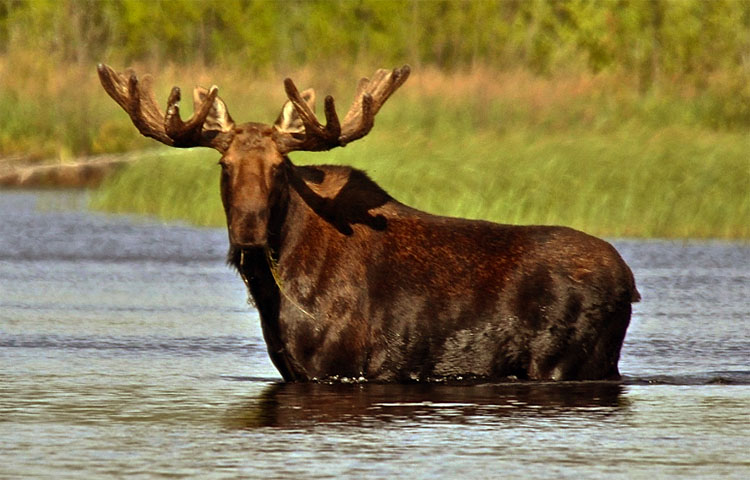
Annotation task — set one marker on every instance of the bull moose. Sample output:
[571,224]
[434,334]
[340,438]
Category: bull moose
[352,284]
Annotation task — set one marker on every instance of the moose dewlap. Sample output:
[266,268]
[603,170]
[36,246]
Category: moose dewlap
[350,283]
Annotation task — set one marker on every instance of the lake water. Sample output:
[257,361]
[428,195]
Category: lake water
[127,349]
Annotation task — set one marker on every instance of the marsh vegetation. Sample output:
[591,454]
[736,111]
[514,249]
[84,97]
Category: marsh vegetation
[620,118]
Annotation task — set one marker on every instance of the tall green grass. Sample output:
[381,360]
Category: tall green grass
[174,185]
[632,182]
[619,119]
[589,151]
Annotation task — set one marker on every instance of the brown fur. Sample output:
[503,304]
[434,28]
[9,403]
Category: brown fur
[371,288]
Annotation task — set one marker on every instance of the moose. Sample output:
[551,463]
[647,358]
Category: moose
[351,284]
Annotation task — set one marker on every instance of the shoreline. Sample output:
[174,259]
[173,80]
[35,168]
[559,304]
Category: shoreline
[86,172]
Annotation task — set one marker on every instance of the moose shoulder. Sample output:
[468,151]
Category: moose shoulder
[350,283]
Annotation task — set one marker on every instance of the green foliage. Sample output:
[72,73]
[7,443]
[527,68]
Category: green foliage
[676,183]
[623,117]
[169,184]
[659,39]
[532,152]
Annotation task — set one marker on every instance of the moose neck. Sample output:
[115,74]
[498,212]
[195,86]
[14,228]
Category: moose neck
[316,210]
[256,267]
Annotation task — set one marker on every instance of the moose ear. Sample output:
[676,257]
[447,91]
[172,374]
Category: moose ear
[289,120]
[218,118]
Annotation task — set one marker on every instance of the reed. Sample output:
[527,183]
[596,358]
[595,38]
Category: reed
[585,150]
[633,182]
[174,185]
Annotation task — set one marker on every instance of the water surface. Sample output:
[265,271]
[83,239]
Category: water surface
[127,349]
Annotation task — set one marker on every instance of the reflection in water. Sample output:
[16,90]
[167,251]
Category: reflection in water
[305,404]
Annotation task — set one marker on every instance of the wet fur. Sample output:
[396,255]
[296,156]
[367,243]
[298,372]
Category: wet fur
[366,287]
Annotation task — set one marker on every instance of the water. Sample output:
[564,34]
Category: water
[127,349]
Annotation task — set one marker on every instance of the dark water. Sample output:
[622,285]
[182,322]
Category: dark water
[127,350]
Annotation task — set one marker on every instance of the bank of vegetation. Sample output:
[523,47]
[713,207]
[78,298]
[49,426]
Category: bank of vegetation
[624,118]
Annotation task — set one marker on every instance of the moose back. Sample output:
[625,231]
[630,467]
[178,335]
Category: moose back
[350,283]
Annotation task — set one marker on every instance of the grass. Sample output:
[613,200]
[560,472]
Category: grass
[630,183]
[61,112]
[585,150]
[169,184]
[672,183]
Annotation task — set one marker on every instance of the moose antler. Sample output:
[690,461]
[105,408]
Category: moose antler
[137,99]
[369,97]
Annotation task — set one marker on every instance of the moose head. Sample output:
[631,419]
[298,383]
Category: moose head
[253,154]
